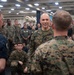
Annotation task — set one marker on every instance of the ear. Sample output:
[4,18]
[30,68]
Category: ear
[50,23]
[53,26]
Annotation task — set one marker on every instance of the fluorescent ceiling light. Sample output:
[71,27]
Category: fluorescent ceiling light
[38,8]
[4,0]
[33,11]
[27,8]
[9,12]
[56,3]
[43,7]
[20,1]
[12,9]
[18,5]
[17,13]
[52,12]
[21,11]
[30,5]
[1,6]
[60,7]
[48,10]
[36,4]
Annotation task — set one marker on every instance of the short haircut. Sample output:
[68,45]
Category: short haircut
[62,20]
[44,14]
[18,43]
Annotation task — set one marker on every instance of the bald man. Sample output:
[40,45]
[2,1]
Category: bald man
[42,35]
[56,57]
[3,49]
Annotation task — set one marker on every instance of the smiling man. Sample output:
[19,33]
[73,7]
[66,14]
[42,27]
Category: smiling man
[42,35]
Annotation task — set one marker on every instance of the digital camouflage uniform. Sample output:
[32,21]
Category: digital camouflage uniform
[2,31]
[40,37]
[13,61]
[55,57]
[9,34]
[37,38]
[12,32]
[17,36]
[13,36]
[32,31]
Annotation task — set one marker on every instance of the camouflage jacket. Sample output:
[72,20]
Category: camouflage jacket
[9,32]
[2,31]
[17,36]
[55,57]
[13,33]
[18,56]
[40,37]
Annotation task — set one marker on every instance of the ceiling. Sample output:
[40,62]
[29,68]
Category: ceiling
[28,7]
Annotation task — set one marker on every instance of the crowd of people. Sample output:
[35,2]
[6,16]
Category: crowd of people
[44,49]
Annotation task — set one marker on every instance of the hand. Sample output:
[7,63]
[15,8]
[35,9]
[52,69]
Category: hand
[20,62]
[25,70]
[25,38]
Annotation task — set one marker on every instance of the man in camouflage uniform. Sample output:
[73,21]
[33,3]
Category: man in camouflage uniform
[17,30]
[18,60]
[12,33]
[56,57]
[2,29]
[33,29]
[42,35]
[9,34]
[25,34]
